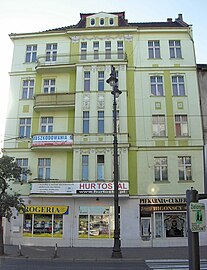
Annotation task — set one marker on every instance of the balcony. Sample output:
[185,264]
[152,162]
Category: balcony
[65,62]
[55,101]
[51,141]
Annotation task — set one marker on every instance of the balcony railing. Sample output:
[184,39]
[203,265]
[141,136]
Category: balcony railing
[67,61]
[58,101]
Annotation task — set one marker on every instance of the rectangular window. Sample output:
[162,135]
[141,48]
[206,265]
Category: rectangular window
[96,222]
[44,165]
[156,85]
[43,225]
[27,89]
[120,49]
[100,121]
[184,168]
[100,167]
[86,122]
[24,127]
[23,163]
[83,50]
[31,53]
[160,169]
[85,167]
[86,81]
[100,80]
[49,86]
[46,124]
[178,86]
[108,49]
[96,49]
[158,125]
[154,49]
[175,49]
[51,52]
[181,125]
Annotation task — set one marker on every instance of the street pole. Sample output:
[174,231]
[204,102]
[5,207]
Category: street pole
[116,253]
[193,237]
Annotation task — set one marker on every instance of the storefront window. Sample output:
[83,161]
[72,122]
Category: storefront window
[96,222]
[170,225]
[43,225]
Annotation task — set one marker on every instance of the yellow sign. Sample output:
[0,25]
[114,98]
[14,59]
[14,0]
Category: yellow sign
[43,209]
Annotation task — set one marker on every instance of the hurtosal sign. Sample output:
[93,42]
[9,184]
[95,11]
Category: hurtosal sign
[78,188]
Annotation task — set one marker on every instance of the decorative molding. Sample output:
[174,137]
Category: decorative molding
[75,39]
[128,37]
[100,102]
[86,102]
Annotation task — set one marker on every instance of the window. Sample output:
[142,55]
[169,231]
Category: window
[86,81]
[44,168]
[96,49]
[101,81]
[154,49]
[46,124]
[178,86]
[120,49]
[83,50]
[96,222]
[158,125]
[100,167]
[111,21]
[181,125]
[101,122]
[156,85]
[31,53]
[23,163]
[28,89]
[101,21]
[108,49]
[175,49]
[92,21]
[51,52]
[49,86]
[24,127]
[86,122]
[85,167]
[160,169]
[43,225]
[184,168]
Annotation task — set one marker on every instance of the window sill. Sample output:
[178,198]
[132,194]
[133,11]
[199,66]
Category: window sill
[183,137]
[186,181]
[155,58]
[161,182]
[160,137]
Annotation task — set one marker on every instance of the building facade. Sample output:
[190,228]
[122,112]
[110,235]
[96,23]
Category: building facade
[60,126]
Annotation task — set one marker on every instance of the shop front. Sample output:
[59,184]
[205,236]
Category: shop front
[163,221]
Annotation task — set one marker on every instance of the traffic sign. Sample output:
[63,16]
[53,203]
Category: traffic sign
[197,217]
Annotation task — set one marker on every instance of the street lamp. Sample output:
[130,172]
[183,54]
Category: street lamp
[112,80]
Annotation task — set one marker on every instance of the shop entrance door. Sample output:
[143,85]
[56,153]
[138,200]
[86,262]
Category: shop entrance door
[146,229]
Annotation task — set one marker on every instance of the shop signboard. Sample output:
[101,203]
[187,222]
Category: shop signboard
[197,217]
[78,188]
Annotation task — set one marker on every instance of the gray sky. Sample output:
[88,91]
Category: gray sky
[20,16]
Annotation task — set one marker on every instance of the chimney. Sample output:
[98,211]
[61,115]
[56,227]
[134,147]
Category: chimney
[169,19]
[180,17]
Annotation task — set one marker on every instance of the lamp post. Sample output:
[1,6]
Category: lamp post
[112,80]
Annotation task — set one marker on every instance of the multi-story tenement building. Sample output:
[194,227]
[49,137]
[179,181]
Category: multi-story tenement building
[60,126]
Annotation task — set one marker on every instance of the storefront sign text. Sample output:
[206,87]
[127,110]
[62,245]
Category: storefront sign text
[43,140]
[158,208]
[173,200]
[39,209]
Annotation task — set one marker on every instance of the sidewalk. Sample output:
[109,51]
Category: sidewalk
[99,254]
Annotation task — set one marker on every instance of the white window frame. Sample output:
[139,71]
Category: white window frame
[181,125]
[158,125]
[27,89]
[23,163]
[44,168]
[161,166]
[31,53]
[120,49]
[178,85]
[85,167]
[186,167]
[100,167]
[46,124]
[51,52]
[25,127]
[86,115]
[154,49]
[107,49]
[175,49]
[156,85]
[96,50]
[87,82]
[83,55]
[49,86]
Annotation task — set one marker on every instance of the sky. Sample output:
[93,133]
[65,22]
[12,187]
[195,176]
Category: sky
[23,16]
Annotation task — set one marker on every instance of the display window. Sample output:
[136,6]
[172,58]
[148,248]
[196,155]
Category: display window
[170,224]
[96,222]
[43,225]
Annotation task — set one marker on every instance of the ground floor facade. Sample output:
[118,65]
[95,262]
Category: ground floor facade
[89,222]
